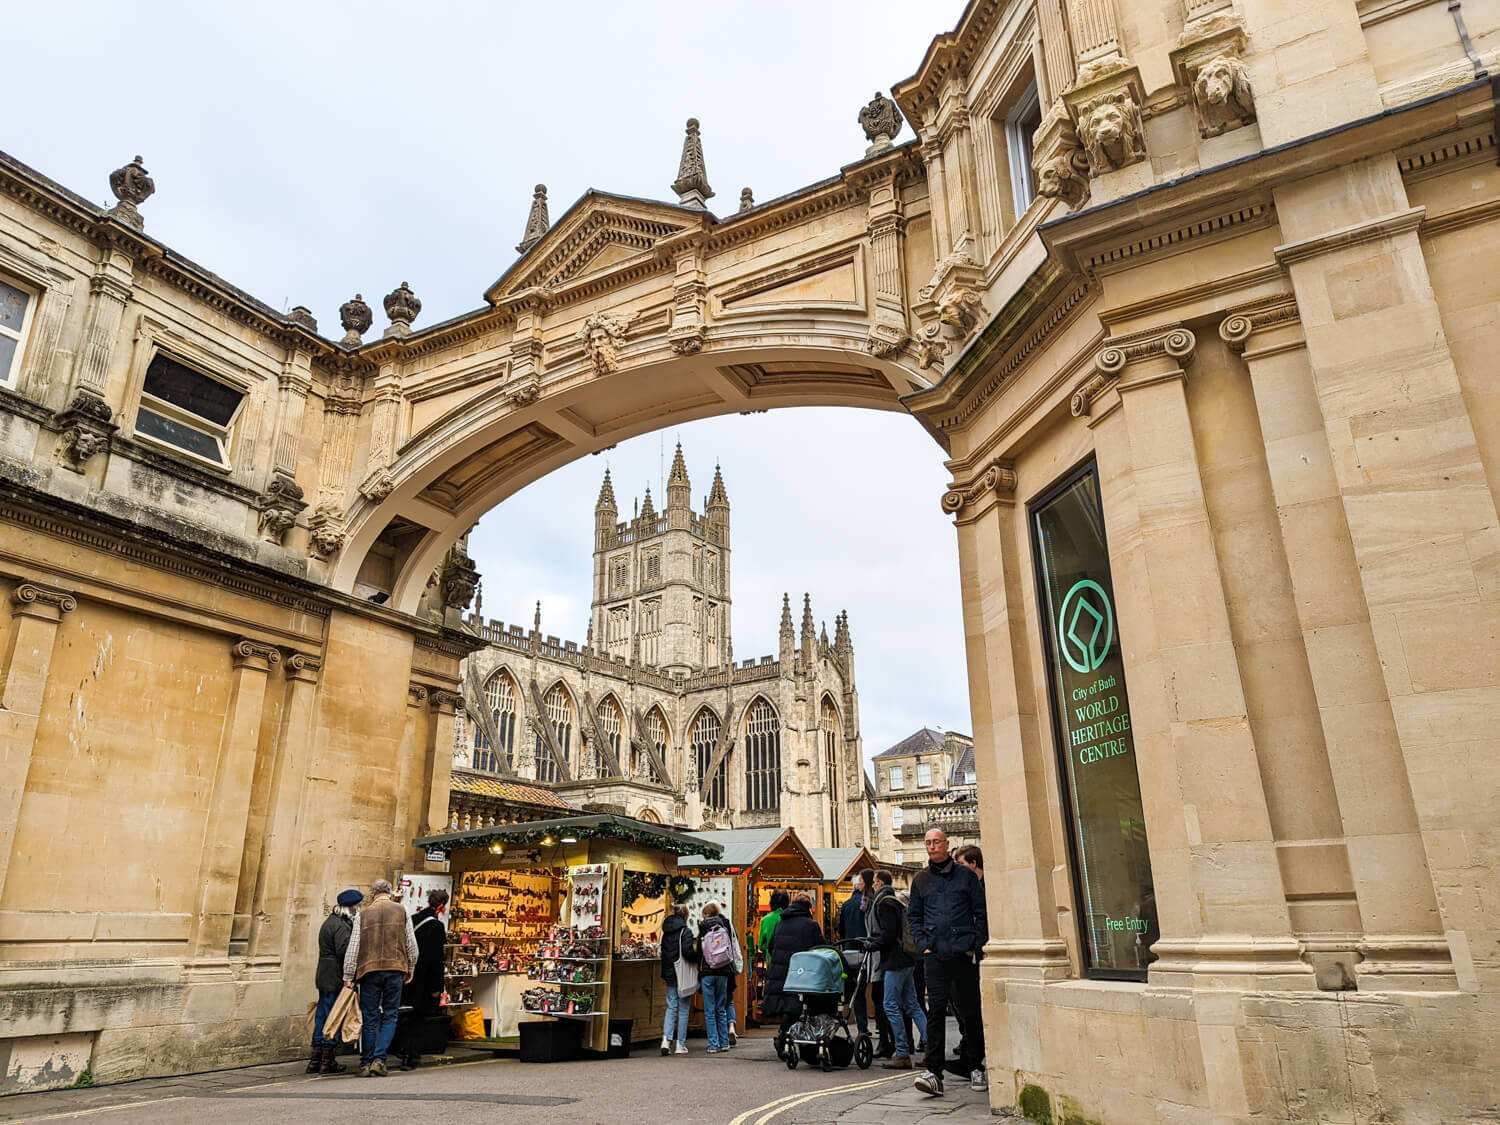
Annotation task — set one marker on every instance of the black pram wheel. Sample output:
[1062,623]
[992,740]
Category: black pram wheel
[792,1059]
[864,1053]
[825,1056]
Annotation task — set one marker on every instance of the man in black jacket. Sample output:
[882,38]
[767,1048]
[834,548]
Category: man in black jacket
[897,962]
[333,943]
[424,992]
[949,925]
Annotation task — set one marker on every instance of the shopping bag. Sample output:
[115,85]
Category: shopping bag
[343,1022]
[312,1018]
[687,976]
[467,1023]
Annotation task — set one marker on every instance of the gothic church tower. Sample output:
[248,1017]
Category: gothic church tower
[661,579]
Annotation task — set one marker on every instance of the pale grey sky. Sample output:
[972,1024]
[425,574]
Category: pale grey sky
[308,151]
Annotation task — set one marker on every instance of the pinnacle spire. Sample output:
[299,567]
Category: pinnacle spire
[691,184]
[606,494]
[648,510]
[678,475]
[809,634]
[786,615]
[536,222]
[716,495]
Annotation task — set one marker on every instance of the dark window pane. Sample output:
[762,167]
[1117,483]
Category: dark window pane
[1092,712]
[165,429]
[184,388]
[7,355]
[13,304]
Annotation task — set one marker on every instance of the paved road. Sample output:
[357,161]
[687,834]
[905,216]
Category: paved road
[748,1086]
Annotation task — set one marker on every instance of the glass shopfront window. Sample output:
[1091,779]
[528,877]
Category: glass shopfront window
[1091,719]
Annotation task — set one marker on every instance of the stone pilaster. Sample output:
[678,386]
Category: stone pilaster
[1421,518]
[438,773]
[689,292]
[384,422]
[342,406]
[1056,72]
[109,290]
[276,869]
[886,225]
[229,810]
[411,811]
[1010,753]
[1196,753]
[35,614]
[1401,945]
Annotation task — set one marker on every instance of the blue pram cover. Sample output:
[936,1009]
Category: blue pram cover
[818,972]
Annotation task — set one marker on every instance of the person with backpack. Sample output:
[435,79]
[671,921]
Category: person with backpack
[893,941]
[797,932]
[719,959]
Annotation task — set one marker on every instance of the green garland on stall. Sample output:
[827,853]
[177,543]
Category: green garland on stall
[643,884]
[683,888]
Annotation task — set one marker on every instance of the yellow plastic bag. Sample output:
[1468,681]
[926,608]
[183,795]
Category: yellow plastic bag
[467,1023]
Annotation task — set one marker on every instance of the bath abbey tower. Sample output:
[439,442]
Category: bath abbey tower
[651,716]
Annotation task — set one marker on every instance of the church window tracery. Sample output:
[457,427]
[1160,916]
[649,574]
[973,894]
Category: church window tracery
[705,738]
[611,721]
[828,728]
[762,757]
[500,698]
[559,710]
[656,731]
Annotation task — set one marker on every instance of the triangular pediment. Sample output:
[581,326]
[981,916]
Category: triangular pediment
[599,234]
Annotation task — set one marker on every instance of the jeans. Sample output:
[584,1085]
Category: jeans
[379,1003]
[901,1004]
[716,1010]
[731,1009]
[320,1015]
[953,976]
[882,1021]
[678,1008]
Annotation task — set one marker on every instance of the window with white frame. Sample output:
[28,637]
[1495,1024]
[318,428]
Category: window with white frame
[924,775]
[1021,124]
[15,319]
[970,777]
[897,778]
[898,817]
[188,410]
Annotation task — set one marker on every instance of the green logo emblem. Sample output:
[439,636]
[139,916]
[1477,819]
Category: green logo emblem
[1086,626]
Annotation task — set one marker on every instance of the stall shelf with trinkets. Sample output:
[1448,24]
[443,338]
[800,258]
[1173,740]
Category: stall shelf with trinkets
[756,861]
[559,948]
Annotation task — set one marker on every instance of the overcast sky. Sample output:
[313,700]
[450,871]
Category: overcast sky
[305,152]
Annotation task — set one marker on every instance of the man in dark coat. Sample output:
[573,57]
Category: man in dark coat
[333,943]
[948,925]
[896,966]
[424,992]
[676,941]
[797,932]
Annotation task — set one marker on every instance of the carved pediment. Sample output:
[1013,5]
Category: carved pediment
[598,236]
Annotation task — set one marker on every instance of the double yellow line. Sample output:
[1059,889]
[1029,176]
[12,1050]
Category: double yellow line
[792,1101]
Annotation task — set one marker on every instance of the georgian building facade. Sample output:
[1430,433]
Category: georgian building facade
[925,781]
[651,716]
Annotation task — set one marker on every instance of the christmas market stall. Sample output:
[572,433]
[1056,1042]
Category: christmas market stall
[554,931]
[840,867]
[751,863]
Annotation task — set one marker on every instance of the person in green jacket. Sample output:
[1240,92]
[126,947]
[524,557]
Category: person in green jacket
[779,901]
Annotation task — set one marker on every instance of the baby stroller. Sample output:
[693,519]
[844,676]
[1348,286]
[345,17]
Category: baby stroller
[821,1033]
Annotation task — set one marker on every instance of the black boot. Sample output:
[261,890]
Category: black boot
[316,1061]
[331,1064]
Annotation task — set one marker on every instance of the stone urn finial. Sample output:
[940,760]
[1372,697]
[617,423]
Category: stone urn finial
[881,120]
[132,186]
[356,318]
[402,306]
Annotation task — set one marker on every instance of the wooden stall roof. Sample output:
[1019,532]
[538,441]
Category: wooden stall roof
[588,827]
[776,851]
[840,864]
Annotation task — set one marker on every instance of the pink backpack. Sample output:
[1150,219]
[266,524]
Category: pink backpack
[718,947]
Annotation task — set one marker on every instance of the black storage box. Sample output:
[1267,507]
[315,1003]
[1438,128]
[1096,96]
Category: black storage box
[420,1035]
[619,1039]
[552,1040]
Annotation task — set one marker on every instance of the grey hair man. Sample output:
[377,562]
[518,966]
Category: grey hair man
[381,957]
[948,927]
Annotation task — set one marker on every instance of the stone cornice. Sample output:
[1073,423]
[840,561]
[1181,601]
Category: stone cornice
[947,55]
[72,211]
[1386,226]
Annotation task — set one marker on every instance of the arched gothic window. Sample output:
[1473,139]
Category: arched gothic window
[704,738]
[611,722]
[762,757]
[828,728]
[656,731]
[500,698]
[559,710]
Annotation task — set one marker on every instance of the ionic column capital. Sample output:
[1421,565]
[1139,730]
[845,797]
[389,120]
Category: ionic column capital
[31,600]
[1172,345]
[444,702]
[416,694]
[997,477]
[304,666]
[252,654]
[1243,322]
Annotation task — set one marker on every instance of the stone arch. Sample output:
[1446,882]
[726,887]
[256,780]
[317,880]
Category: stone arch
[648,814]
